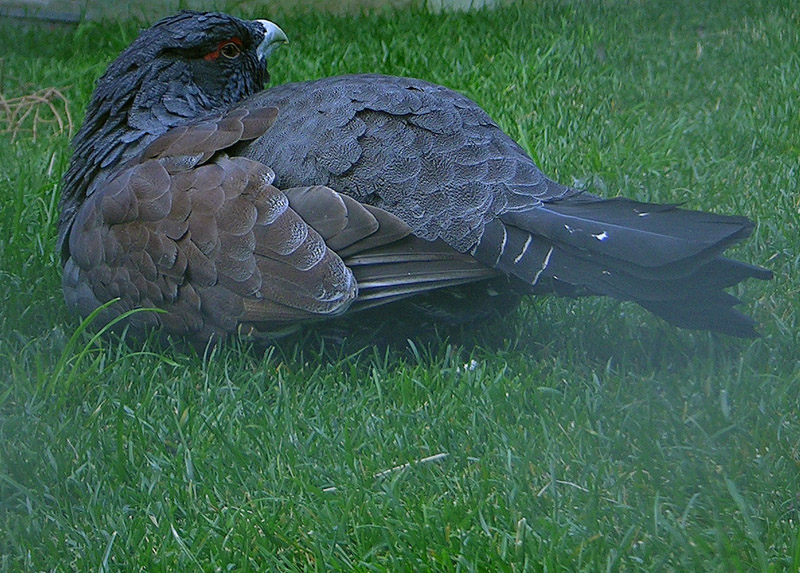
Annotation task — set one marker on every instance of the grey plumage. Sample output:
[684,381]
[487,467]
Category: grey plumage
[424,152]
[237,209]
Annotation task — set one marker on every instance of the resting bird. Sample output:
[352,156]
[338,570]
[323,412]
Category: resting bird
[237,210]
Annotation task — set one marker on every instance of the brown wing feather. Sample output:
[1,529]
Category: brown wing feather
[388,262]
[197,238]
[208,240]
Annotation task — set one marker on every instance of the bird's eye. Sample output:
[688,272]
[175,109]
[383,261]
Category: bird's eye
[230,50]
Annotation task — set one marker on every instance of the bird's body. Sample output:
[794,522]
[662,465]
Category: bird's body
[265,210]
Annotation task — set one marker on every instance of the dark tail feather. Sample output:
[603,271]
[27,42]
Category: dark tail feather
[662,257]
[711,312]
[642,234]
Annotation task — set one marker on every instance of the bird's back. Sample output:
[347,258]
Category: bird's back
[423,152]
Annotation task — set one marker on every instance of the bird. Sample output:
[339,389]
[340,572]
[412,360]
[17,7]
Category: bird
[201,205]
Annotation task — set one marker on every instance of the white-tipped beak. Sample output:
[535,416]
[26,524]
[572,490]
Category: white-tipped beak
[273,37]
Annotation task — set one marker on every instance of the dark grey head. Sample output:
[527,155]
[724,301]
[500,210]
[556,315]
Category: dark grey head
[184,67]
[195,60]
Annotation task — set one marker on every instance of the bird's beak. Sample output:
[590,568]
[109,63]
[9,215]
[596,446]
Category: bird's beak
[273,37]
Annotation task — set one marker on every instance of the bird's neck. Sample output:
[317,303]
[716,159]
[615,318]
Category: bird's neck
[119,124]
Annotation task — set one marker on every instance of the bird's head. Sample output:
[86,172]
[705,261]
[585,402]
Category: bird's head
[188,64]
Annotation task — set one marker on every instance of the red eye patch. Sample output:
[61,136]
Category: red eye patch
[211,56]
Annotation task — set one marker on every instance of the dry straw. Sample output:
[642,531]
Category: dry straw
[41,113]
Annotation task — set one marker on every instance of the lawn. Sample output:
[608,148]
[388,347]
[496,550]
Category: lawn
[577,435]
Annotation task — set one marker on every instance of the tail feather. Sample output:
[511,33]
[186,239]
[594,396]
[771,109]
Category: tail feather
[643,234]
[664,258]
[712,312]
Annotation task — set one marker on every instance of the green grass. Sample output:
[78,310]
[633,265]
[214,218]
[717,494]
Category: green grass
[591,437]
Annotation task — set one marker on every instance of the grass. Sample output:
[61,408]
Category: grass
[580,435]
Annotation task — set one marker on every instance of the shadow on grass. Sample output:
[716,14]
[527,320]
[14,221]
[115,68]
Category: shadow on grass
[593,334]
